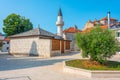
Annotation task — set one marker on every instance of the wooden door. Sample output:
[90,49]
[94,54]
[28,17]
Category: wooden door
[62,46]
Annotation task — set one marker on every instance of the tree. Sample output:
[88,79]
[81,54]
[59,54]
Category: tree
[98,44]
[14,24]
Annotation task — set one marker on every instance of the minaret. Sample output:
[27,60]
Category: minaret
[60,23]
[109,19]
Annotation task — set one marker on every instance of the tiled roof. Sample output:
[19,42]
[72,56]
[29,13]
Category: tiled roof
[7,39]
[35,32]
[71,30]
[86,30]
[89,29]
[106,18]
[104,27]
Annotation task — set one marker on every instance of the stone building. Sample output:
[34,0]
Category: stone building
[116,29]
[38,42]
[69,34]
[4,43]
[102,22]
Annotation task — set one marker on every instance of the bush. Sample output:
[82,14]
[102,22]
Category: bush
[98,44]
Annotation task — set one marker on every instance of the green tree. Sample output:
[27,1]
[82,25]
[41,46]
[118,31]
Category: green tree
[14,24]
[98,44]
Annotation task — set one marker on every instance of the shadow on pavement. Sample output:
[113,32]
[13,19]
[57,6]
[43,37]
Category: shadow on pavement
[70,54]
[8,62]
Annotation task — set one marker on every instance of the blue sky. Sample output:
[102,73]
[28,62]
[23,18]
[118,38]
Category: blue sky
[44,12]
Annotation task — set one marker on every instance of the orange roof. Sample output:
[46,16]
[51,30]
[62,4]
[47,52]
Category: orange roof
[5,39]
[104,27]
[106,18]
[88,29]
[71,30]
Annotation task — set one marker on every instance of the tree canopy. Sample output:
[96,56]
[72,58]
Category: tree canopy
[98,44]
[14,24]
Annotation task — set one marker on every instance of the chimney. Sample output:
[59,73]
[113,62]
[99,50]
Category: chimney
[109,19]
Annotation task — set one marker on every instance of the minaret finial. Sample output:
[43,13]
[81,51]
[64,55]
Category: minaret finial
[60,12]
[108,12]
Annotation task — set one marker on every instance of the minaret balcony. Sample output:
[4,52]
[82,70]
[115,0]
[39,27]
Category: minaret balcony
[60,23]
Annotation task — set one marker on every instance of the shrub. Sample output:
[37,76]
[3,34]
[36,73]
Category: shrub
[98,44]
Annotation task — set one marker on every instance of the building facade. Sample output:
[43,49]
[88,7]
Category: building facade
[102,22]
[4,43]
[116,29]
[69,34]
[38,42]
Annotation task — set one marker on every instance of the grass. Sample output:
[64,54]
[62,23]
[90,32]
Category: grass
[93,65]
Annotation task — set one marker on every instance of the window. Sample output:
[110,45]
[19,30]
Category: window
[3,43]
[7,42]
[118,34]
[7,48]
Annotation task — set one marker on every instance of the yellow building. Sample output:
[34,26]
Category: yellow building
[102,22]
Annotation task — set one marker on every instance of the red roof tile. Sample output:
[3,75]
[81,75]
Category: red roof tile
[7,39]
[106,18]
[88,29]
[71,30]
[104,27]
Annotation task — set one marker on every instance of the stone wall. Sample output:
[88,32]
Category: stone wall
[34,46]
[5,46]
[73,45]
[44,47]
[30,46]
[24,46]
[88,25]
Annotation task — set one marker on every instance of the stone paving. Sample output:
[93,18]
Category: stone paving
[34,68]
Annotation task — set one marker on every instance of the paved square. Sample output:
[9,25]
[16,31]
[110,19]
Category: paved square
[34,68]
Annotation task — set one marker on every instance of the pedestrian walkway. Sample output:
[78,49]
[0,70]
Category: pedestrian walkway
[34,68]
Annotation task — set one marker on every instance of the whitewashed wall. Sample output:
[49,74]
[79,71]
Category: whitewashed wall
[24,46]
[2,37]
[5,46]
[30,46]
[44,47]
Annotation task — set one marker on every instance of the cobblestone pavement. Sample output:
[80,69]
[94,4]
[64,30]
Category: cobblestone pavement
[34,68]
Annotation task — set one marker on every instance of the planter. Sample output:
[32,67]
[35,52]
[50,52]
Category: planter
[91,73]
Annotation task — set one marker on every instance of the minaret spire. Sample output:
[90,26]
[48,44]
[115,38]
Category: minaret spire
[60,23]
[60,12]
